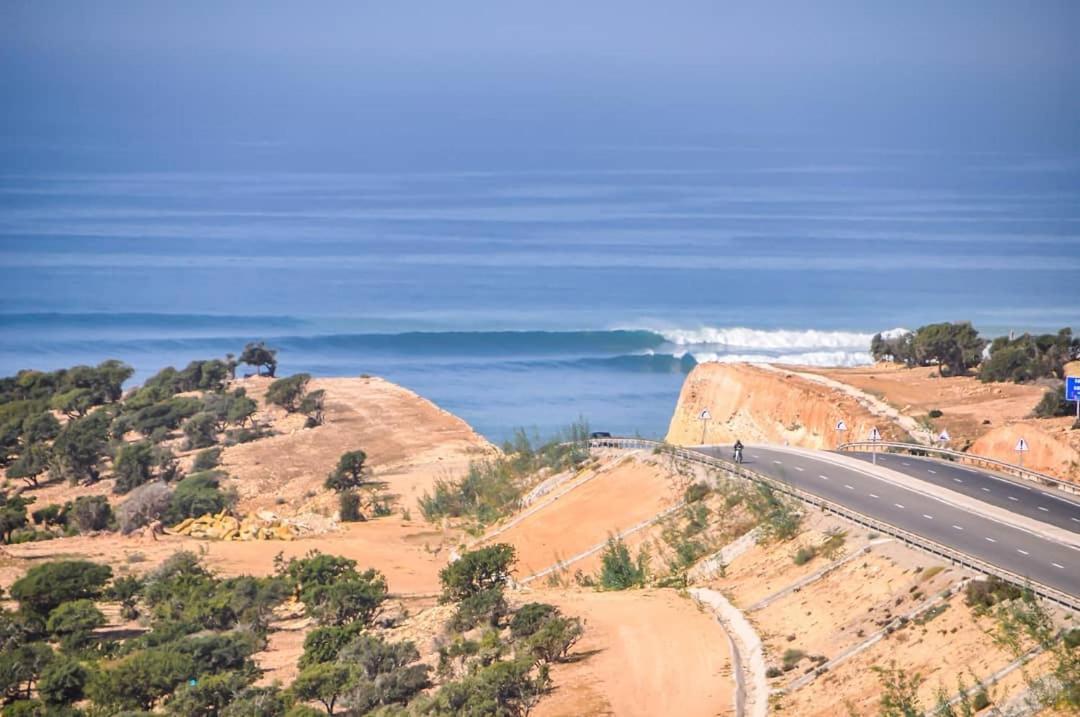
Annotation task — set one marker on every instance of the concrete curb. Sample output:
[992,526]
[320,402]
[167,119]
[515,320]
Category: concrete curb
[749,646]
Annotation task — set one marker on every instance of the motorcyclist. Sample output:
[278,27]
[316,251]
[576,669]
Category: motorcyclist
[738,451]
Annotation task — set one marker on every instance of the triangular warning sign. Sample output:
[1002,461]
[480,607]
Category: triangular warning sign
[1021,446]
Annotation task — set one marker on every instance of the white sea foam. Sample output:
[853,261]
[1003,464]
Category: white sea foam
[808,347]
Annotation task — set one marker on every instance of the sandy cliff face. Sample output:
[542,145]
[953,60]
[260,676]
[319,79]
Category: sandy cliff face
[1052,447]
[761,406]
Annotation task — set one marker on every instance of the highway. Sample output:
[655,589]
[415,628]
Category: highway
[1013,495]
[1008,547]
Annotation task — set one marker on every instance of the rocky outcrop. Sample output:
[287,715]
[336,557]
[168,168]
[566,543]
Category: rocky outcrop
[757,405]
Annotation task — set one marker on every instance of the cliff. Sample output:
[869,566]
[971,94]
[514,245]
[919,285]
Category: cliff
[758,405]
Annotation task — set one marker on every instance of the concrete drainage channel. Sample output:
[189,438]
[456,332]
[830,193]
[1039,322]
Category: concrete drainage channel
[747,654]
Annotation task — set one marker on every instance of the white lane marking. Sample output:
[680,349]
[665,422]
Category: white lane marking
[755,455]
[1059,567]
[958,527]
[958,480]
[1013,497]
[798,469]
[779,463]
[991,540]
[873,495]
[987,490]
[1075,520]
[928,517]
[928,470]
[898,505]
[905,463]
[825,477]
[849,487]
[1045,510]
[1022,552]
[1048,495]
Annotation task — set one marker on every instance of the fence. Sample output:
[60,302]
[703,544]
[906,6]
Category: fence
[916,541]
[1002,466]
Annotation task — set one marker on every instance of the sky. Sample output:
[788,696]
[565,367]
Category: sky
[119,84]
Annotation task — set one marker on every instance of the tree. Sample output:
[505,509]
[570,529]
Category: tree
[74,622]
[349,507]
[617,570]
[554,638]
[385,673]
[63,681]
[137,681]
[323,644]
[31,464]
[477,571]
[531,617]
[78,450]
[504,688]
[323,682]
[312,407]
[133,466]
[201,430]
[90,513]
[953,347]
[20,668]
[46,587]
[126,590]
[258,355]
[349,473]
[12,515]
[40,428]
[357,598]
[210,694]
[206,460]
[288,392]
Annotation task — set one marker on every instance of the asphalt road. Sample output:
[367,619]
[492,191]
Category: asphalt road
[1003,545]
[1015,496]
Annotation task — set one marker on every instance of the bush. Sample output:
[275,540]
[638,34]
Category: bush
[935,413]
[773,671]
[617,570]
[804,555]
[324,643]
[529,618]
[324,683]
[166,415]
[63,681]
[983,594]
[778,518]
[487,491]
[133,466]
[45,587]
[91,513]
[73,623]
[206,460]
[1053,404]
[139,680]
[554,639]
[695,492]
[355,597]
[144,505]
[477,571]
[51,515]
[791,658]
[196,495]
[349,507]
[488,606]
[288,392]
[201,430]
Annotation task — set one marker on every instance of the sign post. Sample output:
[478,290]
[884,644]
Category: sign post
[1072,392]
[944,437]
[1021,449]
[875,436]
[704,417]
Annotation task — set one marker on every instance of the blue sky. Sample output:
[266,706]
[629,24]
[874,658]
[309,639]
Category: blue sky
[117,83]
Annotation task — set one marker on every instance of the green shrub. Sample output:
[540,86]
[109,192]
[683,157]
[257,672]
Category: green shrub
[349,507]
[778,518]
[989,592]
[935,413]
[695,492]
[791,658]
[45,587]
[198,494]
[91,513]
[73,623]
[485,607]
[201,430]
[324,643]
[477,571]
[206,460]
[530,617]
[63,681]
[1053,404]
[349,472]
[288,392]
[617,570]
[804,555]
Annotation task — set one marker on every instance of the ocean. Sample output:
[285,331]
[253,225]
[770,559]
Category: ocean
[534,296]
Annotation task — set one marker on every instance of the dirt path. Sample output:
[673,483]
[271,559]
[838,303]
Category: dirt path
[645,652]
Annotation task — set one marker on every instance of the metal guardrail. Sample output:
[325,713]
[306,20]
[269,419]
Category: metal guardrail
[1002,466]
[914,540]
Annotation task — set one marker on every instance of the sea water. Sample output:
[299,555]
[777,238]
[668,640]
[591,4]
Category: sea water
[522,296]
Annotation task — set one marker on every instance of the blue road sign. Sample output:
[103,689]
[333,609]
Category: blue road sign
[1072,388]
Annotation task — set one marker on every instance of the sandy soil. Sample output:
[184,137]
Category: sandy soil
[619,497]
[645,652]
[410,443]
